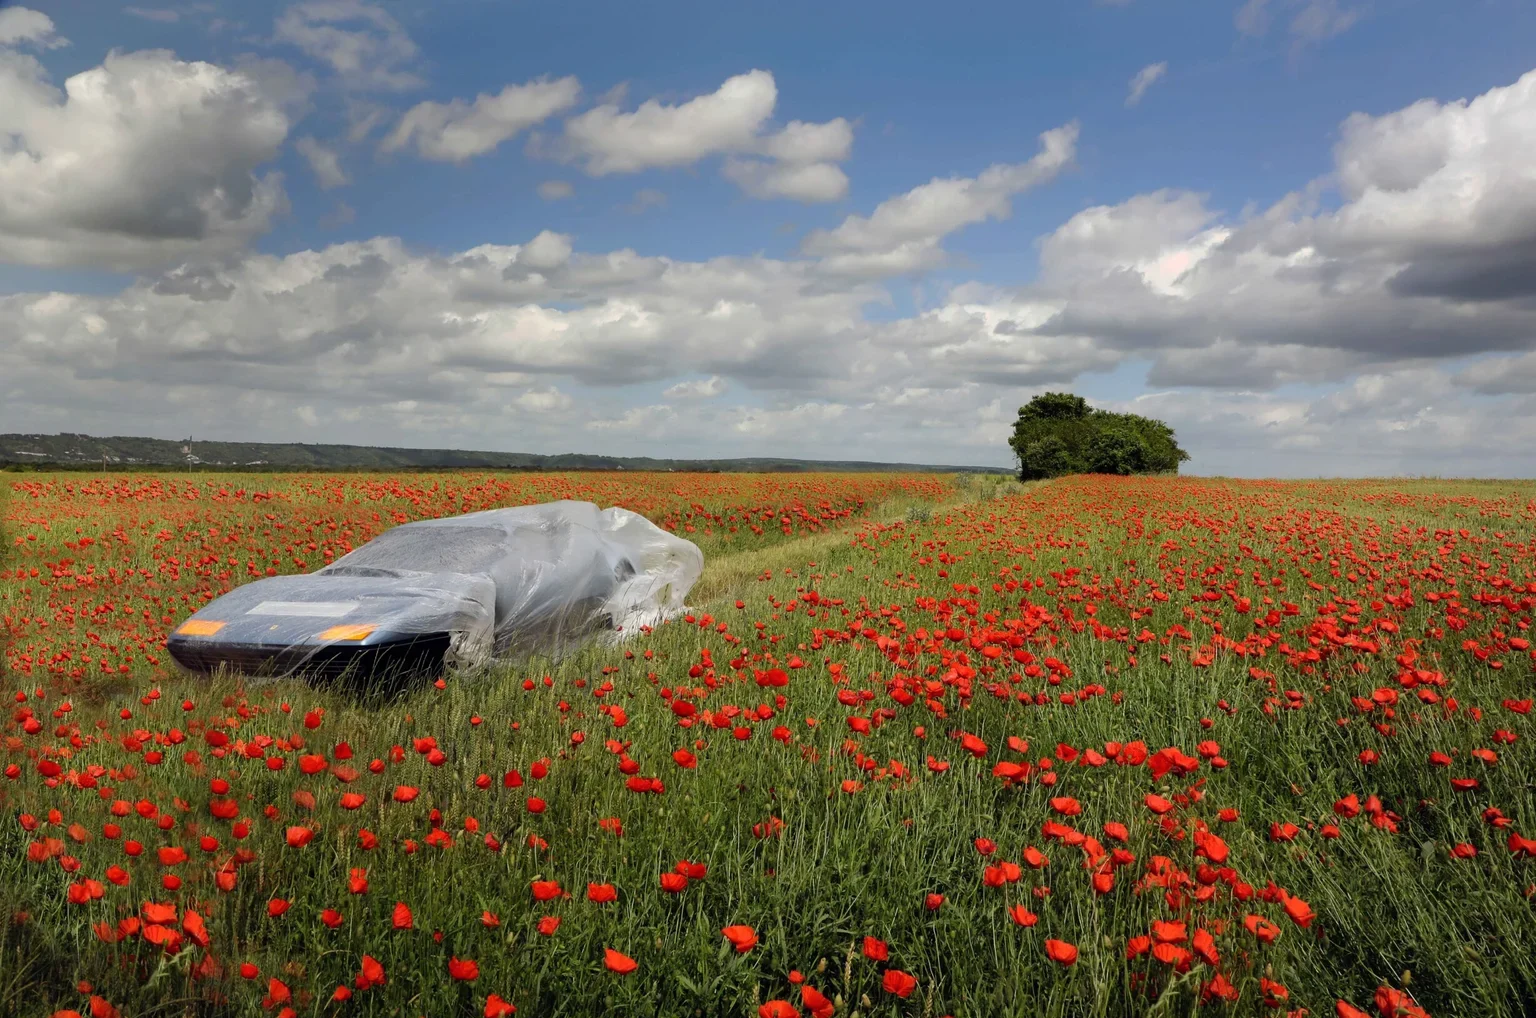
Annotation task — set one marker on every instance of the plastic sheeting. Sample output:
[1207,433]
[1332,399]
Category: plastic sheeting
[495,585]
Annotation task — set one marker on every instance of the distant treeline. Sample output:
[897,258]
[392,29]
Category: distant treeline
[810,467]
[48,453]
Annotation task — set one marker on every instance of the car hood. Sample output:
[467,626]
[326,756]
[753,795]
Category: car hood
[319,610]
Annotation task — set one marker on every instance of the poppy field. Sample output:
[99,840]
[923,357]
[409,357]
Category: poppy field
[922,745]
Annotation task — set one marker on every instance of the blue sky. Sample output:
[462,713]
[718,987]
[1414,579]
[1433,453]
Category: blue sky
[1247,112]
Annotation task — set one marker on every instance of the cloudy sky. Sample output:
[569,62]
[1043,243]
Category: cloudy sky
[1301,231]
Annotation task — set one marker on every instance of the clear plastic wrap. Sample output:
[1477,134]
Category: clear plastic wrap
[464,590]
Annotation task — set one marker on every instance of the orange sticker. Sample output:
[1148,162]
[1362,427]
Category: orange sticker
[347,632]
[200,627]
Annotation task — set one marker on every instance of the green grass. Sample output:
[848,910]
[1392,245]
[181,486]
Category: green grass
[1391,908]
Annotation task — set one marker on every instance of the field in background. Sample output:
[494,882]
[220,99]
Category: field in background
[926,745]
[108,565]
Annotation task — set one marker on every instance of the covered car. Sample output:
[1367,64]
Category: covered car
[462,590]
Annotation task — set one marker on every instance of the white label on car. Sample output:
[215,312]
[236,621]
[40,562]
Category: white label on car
[305,609]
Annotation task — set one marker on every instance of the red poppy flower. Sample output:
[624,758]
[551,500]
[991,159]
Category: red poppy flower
[1397,1004]
[1205,946]
[1061,952]
[816,1002]
[1218,987]
[742,938]
[372,973]
[1262,928]
[898,982]
[623,964]
[1300,912]
[1022,916]
[1211,846]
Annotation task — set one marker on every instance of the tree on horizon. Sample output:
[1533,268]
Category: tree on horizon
[1058,433]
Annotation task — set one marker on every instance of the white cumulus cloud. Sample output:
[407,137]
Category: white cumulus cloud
[696,388]
[798,161]
[142,160]
[903,233]
[1313,21]
[323,161]
[363,45]
[607,140]
[24,26]
[458,131]
[1145,79]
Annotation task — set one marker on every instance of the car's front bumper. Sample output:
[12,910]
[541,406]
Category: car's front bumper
[405,656]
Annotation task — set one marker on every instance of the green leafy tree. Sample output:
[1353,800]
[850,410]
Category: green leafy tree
[1049,457]
[1055,406]
[1117,450]
[1058,433]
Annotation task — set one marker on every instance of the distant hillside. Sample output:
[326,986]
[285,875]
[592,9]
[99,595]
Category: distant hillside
[67,451]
